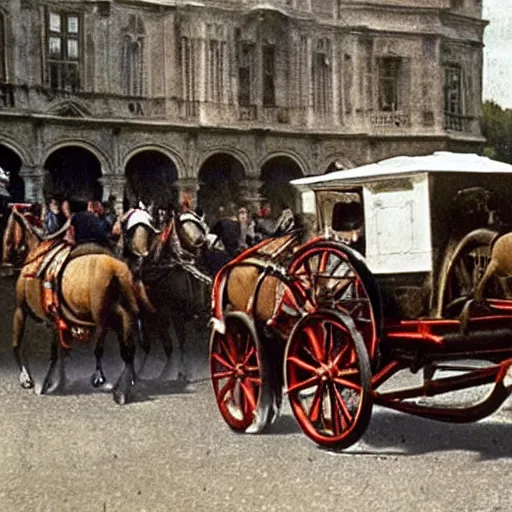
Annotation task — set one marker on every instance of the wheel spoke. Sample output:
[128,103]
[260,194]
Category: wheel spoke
[329,342]
[249,395]
[315,411]
[252,369]
[227,387]
[337,422]
[336,361]
[302,364]
[249,354]
[299,386]
[231,356]
[347,418]
[222,361]
[313,341]
[347,384]
[254,380]
[222,375]
[463,277]
[324,259]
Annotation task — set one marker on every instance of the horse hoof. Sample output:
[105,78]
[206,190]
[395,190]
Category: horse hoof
[120,398]
[97,380]
[51,387]
[27,383]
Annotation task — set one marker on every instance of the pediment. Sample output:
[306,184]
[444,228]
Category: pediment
[69,109]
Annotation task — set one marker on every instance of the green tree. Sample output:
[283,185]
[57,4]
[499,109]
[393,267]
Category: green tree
[496,126]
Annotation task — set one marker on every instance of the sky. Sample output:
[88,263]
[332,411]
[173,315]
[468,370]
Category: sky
[497,72]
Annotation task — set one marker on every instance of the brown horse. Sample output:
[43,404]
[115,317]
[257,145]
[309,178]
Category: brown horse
[97,293]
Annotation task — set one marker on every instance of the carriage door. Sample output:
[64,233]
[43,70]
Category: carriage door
[397,217]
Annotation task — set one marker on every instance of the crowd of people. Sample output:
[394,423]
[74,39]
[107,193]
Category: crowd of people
[94,221]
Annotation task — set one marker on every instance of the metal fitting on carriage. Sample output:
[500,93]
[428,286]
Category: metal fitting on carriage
[218,325]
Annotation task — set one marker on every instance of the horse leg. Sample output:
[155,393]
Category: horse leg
[18,329]
[144,338]
[127,350]
[55,376]
[177,364]
[98,377]
[164,325]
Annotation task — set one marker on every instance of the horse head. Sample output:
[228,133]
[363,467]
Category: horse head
[138,232]
[20,238]
[193,232]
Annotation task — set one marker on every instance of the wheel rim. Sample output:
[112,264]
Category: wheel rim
[236,374]
[326,381]
[464,274]
[326,278]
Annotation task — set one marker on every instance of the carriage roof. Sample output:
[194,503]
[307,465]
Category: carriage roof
[406,202]
[440,161]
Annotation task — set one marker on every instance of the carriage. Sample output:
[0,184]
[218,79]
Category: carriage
[387,284]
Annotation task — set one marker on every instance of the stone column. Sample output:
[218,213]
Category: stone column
[114,184]
[187,185]
[33,179]
[250,189]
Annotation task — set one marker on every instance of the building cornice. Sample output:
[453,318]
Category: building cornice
[130,124]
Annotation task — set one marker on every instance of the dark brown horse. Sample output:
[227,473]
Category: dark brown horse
[97,293]
[177,289]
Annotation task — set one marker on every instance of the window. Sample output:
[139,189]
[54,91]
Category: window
[453,106]
[215,70]
[133,58]
[390,70]
[348,77]
[188,66]
[3,73]
[215,62]
[63,50]
[269,97]
[245,70]
[322,77]
[453,90]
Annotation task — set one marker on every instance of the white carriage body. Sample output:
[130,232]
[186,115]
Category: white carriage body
[407,211]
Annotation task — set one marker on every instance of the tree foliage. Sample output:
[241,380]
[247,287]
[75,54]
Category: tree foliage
[496,126]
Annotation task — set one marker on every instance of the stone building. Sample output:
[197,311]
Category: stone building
[231,98]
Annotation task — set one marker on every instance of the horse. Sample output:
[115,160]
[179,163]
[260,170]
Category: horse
[177,289]
[94,292]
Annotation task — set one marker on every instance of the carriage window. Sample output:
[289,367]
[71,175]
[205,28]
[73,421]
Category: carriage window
[347,214]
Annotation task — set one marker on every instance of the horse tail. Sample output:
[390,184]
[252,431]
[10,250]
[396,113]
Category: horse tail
[125,280]
[7,240]
[142,296]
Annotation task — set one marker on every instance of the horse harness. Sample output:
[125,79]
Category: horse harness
[48,265]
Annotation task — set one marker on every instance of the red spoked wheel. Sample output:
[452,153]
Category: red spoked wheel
[240,375]
[327,277]
[328,378]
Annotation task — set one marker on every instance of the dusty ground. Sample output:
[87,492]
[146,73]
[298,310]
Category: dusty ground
[171,451]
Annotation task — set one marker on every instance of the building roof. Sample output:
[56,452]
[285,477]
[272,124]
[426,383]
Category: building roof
[440,161]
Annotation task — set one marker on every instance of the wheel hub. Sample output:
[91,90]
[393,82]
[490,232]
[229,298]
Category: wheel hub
[239,370]
[327,371]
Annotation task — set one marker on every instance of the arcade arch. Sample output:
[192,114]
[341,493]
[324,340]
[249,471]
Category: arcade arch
[11,162]
[276,174]
[220,183]
[339,163]
[73,172]
[151,178]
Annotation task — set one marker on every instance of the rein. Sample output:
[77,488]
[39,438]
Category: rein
[37,256]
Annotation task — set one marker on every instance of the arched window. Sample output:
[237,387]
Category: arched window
[3,71]
[133,58]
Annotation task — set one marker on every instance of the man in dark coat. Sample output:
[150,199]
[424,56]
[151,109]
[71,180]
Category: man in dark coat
[87,227]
